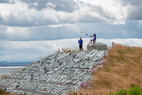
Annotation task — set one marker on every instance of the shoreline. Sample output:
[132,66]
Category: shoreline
[11,67]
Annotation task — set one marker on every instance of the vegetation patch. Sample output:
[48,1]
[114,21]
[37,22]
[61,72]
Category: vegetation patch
[130,91]
[4,93]
[122,70]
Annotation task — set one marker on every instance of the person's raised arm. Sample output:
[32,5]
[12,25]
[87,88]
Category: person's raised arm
[78,41]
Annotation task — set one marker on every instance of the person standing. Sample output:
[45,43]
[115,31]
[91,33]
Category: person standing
[80,44]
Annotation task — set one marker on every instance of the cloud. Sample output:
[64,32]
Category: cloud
[28,26]
[134,8]
[59,25]
[133,3]
[43,12]
[4,1]
[31,50]
[61,5]
[48,12]
[68,31]
[134,14]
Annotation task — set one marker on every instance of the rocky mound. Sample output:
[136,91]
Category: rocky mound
[55,74]
[97,46]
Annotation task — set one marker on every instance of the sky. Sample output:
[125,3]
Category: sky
[30,29]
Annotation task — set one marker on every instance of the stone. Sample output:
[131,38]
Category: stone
[56,74]
[9,89]
[97,46]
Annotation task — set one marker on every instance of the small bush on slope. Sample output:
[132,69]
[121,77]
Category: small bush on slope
[68,50]
[4,76]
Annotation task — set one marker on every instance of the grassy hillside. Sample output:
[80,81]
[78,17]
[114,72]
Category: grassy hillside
[122,69]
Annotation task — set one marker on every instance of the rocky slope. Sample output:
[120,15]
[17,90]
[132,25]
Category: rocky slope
[54,75]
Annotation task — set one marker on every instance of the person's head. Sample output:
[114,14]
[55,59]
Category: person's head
[80,38]
[94,34]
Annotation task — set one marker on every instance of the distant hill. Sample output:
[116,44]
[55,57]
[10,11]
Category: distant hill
[5,63]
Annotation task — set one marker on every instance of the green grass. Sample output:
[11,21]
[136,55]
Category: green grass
[135,91]
[130,91]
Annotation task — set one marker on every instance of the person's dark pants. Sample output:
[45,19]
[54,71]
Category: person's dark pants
[80,47]
[94,40]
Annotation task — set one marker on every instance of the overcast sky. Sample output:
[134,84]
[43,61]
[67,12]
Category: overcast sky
[34,28]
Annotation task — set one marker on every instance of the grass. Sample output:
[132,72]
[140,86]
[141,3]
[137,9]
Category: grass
[122,70]
[4,76]
[130,91]
[68,50]
[4,93]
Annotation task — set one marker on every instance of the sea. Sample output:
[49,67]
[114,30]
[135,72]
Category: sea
[11,67]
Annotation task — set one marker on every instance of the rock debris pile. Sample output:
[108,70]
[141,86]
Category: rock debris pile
[54,75]
[97,46]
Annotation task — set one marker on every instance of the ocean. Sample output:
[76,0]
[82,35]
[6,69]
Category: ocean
[10,69]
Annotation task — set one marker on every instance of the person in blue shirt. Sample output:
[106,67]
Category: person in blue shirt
[80,44]
[94,38]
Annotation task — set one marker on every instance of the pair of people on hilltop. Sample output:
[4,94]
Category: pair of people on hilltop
[81,42]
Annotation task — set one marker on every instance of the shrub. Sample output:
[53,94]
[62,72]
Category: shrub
[122,92]
[130,91]
[135,91]
[68,50]
[4,76]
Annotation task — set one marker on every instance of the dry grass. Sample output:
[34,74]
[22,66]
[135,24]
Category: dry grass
[16,71]
[4,76]
[4,93]
[68,50]
[122,69]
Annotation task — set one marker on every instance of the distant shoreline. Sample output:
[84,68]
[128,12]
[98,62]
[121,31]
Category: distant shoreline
[12,66]
[4,70]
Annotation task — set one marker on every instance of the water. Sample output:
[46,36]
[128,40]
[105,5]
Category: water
[10,69]
[5,63]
